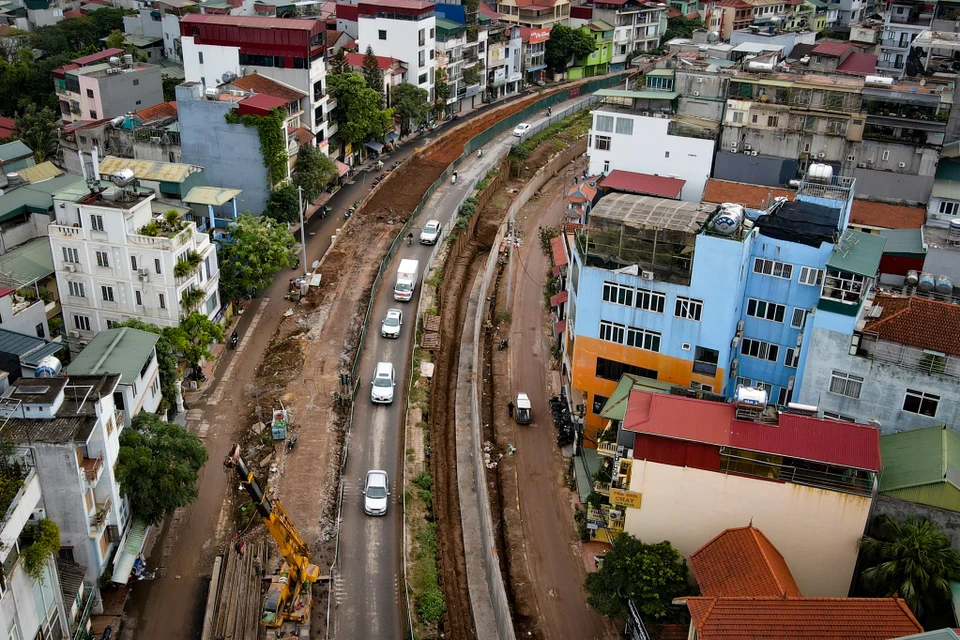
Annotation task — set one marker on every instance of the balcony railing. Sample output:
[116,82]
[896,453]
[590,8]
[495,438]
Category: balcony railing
[603,488]
[102,514]
[608,449]
[855,481]
[80,622]
[91,468]
[910,358]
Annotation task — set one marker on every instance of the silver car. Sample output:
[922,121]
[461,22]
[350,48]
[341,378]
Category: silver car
[430,232]
[521,130]
[383,382]
[376,493]
[392,323]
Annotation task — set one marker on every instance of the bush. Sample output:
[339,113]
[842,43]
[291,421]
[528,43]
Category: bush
[430,606]
[423,480]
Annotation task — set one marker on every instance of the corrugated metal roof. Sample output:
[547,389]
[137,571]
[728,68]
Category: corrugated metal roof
[99,55]
[211,196]
[71,579]
[637,95]
[827,441]
[904,241]
[254,22]
[615,408]
[647,212]
[857,252]
[39,172]
[14,151]
[924,459]
[132,547]
[28,262]
[122,351]
[149,169]
[939,634]
[20,344]
[643,183]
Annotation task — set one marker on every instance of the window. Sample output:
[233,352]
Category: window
[139,298]
[96,222]
[885,156]
[611,331]
[765,310]
[103,260]
[759,349]
[382,34]
[643,339]
[688,308]
[602,143]
[783,396]
[699,386]
[422,59]
[772,121]
[811,277]
[830,415]
[156,264]
[598,402]
[112,324]
[606,167]
[617,293]
[754,118]
[649,300]
[423,78]
[93,114]
[81,323]
[201,57]
[738,117]
[773,268]
[136,82]
[76,289]
[625,126]
[89,93]
[155,386]
[799,318]
[949,208]
[705,361]
[845,384]
[792,358]
[613,370]
[133,262]
[920,402]
[70,255]
[107,293]
[432,53]
[163,301]
[41,333]
[421,39]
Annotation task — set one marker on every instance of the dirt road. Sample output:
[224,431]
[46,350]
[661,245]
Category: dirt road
[545,504]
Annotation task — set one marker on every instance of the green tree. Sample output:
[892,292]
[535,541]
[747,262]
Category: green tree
[44,541]
[358,113]
[338,63]
[441,91]
[411,103]
[170,85]
[372,73]
[158,466]
[167,361]
[37,129]
[912,559]
[258,248]
[283,205]
[314,171]
[680,27]
[651,575]
[565,45]
[116,40]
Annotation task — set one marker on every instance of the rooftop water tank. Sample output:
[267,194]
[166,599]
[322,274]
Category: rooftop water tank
[878,80]
[13,179]
[927,282]
[760,66]
[750,397]
[123,177]
[820,173]
[48,367]
[913,277]
[943,285]
[728,219]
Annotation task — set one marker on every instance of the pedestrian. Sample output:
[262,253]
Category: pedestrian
[510,408]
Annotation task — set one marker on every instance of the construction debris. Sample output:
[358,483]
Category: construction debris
[240,600]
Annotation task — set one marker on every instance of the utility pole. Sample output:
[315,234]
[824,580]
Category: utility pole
[303,230]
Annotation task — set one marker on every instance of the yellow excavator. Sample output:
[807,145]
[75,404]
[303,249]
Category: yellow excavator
[290,594]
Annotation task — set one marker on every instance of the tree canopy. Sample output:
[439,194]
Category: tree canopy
[283,205]
[372,73]
[411,103]
[565,45]
[158,466]
[258,248]
[912,559]
[680,27]
[167,361]
[191,340]
[358,112]
[441,90]
[651,575]
[338,63]
[314,171]
[37,129]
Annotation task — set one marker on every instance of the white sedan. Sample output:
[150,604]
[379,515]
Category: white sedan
[430,232]
[392,323]
[521,129]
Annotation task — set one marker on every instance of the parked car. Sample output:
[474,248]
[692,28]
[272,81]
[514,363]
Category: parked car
[384,379]
[392,323]
[430,232]
[376,493]
[521,129]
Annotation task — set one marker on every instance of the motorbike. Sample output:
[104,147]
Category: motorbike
[480,153]
[292,442]
[234,340]
[409,239]
[325,210]
[296,264]
[503,344]
[453,178]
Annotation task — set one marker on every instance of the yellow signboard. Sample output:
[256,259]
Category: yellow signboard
[621,498]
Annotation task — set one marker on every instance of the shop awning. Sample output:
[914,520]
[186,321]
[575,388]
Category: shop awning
[342,168]
[132,547]
[560,298]
[376,146]
[393,135]
[560,327]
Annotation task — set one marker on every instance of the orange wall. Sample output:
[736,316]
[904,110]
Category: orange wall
[669,369]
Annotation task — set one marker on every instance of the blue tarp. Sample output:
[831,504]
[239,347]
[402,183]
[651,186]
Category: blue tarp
[376,146]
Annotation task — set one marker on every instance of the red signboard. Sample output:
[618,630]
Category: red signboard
[534,36]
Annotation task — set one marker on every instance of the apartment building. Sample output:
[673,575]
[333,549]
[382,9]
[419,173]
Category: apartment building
[218,49]
[531,15]
[451,38]
[402,29]
[596,63]
[534,51]
[161,22]
[22,313]
[116,259]
[504,60]
[740,14]
[637,26]
[903,22]
[104,85]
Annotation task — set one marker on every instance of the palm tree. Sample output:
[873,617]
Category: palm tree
[912,559]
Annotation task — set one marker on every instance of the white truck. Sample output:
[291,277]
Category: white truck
[407,276]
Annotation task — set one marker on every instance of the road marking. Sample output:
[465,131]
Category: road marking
[222,385]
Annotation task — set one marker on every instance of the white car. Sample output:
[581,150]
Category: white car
[430,232]
[376,493]
[392,323]
[383,382]
[521,130]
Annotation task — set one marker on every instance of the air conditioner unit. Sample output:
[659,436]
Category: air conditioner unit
[70,266]
[747,147]
[621,451]
[143,272]
[733,147]
[740,328]
[870,161]
[735,342]
[862,165]
[73,334]
[799,339]
[734,365]
[821,154]
[902,165]
[746,153]
[753,153]
[646,275]
[155,139]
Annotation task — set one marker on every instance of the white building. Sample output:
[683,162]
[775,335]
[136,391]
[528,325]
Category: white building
[23,315]
[637,27]
[504,61]
[903,21]
[157,23]
[132,354]
[630,121]
[116,260]
[402,29]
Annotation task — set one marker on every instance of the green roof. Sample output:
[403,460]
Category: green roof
[857,252]
[615,408]
[922,466]
[28,262]
[449,26]
[14,151]
[637,95]
[122,351]
[666,73]
[938,634]
[35,198]
[904,241]
[948,170]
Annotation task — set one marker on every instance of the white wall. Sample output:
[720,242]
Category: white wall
[402,42]
[651,150]
[26,319]
[815,530]
[217,60]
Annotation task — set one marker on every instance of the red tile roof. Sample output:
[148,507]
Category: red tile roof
[260,102]
[584,191]
[254,22]
[642,183]
[383,62]
[865,212]
[5,291]
[673,12]
[918,322]
[560,327]
[96,57]
[162,110]
[72,13]
[792,618]
[862,64]
[8,126]
[795,436]
[262,84]
[832,49]
[304,136]
[490,12]
[559,254]
[742,562]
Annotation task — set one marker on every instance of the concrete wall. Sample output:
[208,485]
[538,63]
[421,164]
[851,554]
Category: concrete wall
[949,521]
[229,153]
[786,40]
[34,227]
[711,99]
[26,320]
[118,94]
[690,506]
[944,262]
[883,390]
[772,171]
[895,184]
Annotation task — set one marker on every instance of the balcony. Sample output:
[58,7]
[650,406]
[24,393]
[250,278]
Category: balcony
[92,468]
[162,242]
[100,517]
[922,20]
[802,472]
[603,488]
[608,449]
[75,233]
[910,358]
